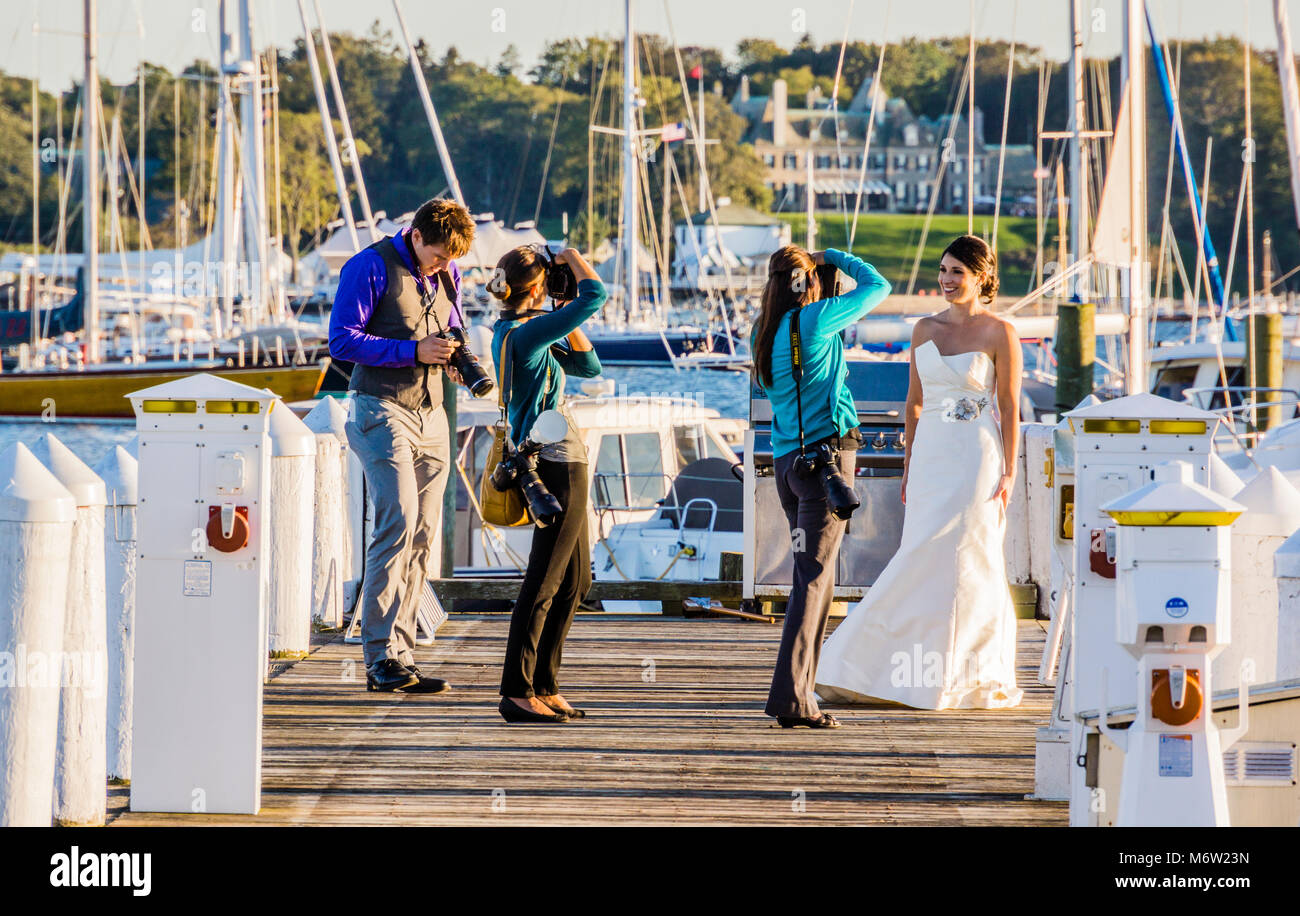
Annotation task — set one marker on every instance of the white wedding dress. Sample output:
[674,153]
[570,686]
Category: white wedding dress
[937,630]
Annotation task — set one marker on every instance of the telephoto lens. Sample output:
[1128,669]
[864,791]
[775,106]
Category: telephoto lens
[542,504]
[840,495]
[474,376]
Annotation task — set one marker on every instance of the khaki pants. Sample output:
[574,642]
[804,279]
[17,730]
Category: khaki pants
[406,455]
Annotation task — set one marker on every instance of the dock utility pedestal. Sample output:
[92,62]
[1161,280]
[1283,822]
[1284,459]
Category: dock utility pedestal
[200,643]
[1173,585]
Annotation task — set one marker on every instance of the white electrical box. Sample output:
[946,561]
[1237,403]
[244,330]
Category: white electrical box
[1116,445]
[200,644]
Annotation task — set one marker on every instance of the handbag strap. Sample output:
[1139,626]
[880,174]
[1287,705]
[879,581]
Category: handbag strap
[507,376]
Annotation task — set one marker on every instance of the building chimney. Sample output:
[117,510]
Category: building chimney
[779,122]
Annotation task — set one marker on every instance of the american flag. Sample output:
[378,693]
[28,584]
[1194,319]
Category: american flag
[672,132]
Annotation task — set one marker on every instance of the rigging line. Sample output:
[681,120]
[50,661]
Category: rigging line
[1006,117]
[841,203]
[938,181]
[550,146]
[876,93]
[699,153]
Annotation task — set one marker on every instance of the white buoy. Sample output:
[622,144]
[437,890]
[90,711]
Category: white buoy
[327,569]
[293,480]
[120,473]
[36,518]
[80,768]
[330,414]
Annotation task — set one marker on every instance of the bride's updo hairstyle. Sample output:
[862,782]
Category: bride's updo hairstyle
[980,260]
[791,281]
[518,271]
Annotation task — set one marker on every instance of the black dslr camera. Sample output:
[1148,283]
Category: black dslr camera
[463,360]
[518,468]
[561,284]
[822,461]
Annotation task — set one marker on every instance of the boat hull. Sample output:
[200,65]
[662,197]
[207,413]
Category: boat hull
[102,392]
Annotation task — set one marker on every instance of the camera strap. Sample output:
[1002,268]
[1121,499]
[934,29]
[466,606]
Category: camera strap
[507,376]
[796,369]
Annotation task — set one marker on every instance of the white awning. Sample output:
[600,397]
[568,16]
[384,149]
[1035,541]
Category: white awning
[845,186]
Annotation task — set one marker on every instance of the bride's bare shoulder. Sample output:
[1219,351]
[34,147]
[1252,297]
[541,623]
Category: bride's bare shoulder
[924,329]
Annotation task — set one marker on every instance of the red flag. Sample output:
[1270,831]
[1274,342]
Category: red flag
[697,73]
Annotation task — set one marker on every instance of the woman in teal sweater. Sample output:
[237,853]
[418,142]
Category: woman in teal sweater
[829,418]
[533,350]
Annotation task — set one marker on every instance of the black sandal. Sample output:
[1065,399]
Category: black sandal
[825,720]
[572,713]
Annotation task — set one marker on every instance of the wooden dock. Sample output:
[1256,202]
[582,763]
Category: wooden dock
[676,735]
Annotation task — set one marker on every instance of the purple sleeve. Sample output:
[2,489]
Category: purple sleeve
[362,283]
[454,320]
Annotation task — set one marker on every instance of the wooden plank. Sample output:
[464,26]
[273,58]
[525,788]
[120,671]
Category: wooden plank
[676,735]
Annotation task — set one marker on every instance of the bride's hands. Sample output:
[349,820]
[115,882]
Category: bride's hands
[1003,494]
[902,493]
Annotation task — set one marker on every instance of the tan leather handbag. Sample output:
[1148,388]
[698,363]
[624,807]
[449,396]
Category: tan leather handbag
[504,509]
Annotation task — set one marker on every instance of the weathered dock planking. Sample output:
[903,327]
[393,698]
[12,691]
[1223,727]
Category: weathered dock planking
[676,735]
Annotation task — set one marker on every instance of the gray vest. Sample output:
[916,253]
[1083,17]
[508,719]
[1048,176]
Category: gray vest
[401,315]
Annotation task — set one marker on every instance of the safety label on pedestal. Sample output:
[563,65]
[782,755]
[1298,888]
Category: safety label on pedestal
[1175,755]
[198,579]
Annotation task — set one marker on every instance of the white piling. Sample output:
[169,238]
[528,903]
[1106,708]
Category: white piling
[1272,515]
[1286,566]
[36,518]
[327,569]
[80,768]
[332,415]
[293,478]
[120,473]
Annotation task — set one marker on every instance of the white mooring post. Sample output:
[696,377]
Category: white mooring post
[1286,566]
[1272,515]
[36,518]
[293,480]
[200,635]
[120,473]
[80,767]
[331,532]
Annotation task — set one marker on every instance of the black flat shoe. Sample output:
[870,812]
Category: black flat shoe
[513,713]
[389,674]
[425,684]
[825,720]
[571,713]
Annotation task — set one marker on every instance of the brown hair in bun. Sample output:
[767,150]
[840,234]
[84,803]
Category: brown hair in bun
[518,271]
[979,259]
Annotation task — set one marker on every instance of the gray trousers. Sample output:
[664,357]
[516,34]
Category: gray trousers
[406,455]
[815,539]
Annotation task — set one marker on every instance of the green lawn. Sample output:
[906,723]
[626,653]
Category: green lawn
[889,240]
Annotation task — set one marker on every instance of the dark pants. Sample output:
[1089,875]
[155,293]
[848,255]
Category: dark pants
[557,578]
[815,539]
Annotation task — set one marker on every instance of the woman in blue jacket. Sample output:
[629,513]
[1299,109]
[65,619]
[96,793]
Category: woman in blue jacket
[533,349]
[824,403]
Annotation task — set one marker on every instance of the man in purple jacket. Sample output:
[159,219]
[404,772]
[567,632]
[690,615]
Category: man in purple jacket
[394,298]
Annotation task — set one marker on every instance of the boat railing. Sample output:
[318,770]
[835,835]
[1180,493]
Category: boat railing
[1240,406]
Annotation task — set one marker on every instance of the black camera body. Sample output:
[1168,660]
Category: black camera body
[518,468]
[561,283]
[472,373]
[828,278]
[822,462]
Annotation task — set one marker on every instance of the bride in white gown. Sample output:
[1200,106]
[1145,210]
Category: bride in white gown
[937,630]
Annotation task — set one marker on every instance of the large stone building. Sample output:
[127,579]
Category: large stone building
[903,165]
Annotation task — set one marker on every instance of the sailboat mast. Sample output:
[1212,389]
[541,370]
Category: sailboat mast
[1078,153]
[90,183]
[630,279]
[1290,98]
[225,206]
[1134,75]
[254,166]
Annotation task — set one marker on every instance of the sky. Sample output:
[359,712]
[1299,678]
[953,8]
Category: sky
[175,32]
